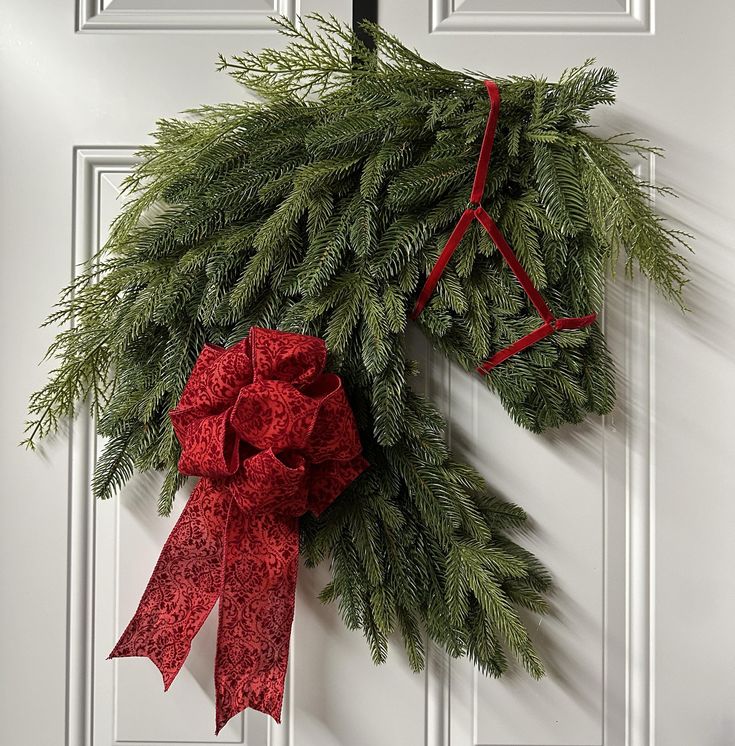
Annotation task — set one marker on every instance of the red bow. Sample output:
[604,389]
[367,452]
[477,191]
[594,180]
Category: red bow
[273,437]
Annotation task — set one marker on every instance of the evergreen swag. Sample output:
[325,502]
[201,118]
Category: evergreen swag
[320,211]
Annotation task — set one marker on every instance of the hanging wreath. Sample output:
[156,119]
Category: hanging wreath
[367,187]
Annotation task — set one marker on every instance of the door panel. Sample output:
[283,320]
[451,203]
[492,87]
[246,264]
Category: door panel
[540,16]
[182,15]
[578,486]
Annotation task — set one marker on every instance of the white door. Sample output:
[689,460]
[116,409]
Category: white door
[632,515]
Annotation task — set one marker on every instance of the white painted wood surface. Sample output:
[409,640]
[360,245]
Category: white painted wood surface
[633,514]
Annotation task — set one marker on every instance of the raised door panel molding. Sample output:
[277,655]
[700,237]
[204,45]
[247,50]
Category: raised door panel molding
[541,16]
[597,642]
[112,549]
[333,691]
[182,15]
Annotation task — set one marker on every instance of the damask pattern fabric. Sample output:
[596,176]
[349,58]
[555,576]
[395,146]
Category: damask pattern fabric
[273,437]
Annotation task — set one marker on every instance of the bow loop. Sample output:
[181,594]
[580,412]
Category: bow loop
[273,414]
[283,356]
[216,379]
[334,432]
[209,445]
[275,483]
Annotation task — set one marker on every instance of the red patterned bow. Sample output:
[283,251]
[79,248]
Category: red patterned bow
[273,437]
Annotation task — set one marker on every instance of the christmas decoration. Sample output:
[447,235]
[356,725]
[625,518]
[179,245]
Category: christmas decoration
[320,211]
[272,436]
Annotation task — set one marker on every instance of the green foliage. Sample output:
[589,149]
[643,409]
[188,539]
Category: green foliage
[320,211]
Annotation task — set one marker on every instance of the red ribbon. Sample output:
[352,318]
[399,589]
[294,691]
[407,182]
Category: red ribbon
[475,210]
[273,437]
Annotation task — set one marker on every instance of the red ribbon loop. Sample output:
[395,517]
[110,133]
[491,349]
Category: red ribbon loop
[272,437]
[475,210]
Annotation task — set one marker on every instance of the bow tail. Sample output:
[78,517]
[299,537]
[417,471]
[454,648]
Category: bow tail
[183,588]
[256,613]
